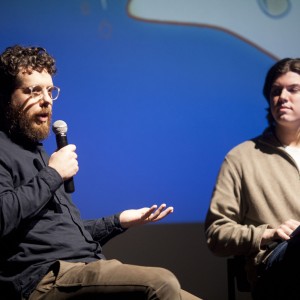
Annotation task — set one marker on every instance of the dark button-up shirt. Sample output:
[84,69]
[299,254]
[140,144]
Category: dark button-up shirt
[39,224]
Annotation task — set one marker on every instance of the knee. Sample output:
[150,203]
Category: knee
[171,278]
[166,282]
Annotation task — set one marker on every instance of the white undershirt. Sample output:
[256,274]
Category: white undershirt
[294,152]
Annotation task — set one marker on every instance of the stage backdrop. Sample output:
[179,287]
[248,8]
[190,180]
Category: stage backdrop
[155,92]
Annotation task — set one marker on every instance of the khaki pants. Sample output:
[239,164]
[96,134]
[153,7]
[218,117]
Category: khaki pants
[108,279]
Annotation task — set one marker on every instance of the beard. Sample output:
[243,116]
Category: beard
[28,125]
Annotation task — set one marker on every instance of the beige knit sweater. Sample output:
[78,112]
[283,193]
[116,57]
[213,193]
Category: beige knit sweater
[258,187]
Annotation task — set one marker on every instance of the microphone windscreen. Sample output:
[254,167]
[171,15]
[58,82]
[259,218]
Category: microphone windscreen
[60,127]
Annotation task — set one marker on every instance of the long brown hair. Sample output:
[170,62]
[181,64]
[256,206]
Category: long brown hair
[281,67]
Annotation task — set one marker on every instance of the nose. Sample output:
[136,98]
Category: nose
[284,94]
[45,98]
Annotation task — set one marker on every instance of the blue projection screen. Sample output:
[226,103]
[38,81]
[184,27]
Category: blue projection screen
[155,92]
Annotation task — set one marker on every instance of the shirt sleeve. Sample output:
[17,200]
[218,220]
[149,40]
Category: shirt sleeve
[225,228]
[104,229]
[18,203]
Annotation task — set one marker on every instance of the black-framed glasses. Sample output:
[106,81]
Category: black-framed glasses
[36,91]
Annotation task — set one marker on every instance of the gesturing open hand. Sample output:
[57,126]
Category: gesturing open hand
[133,217]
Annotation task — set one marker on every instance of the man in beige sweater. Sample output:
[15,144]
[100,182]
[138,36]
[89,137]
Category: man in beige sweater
[255,205]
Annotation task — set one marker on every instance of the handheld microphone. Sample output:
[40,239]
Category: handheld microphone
[60,129]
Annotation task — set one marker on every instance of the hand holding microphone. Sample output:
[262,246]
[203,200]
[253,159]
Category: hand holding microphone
[64,160]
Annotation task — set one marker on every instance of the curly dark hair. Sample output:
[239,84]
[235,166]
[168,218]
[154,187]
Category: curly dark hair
[279,68]
[17,58]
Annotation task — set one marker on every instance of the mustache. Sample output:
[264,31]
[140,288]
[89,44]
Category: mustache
[44,112]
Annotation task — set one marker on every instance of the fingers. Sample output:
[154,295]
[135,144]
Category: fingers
[284,232]
[285,229]
[64,161]
[155,214]
[163,213]
[159,211]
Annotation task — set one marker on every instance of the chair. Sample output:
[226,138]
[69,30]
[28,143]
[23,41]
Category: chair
[236,276]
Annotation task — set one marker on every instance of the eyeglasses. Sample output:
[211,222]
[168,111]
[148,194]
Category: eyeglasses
[36,91]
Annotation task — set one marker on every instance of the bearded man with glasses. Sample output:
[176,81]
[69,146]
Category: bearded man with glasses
[46,250]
